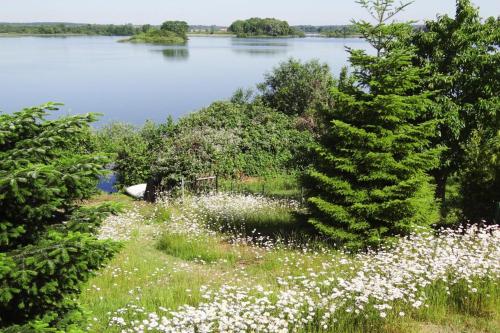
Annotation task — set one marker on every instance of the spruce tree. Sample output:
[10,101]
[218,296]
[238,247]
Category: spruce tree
[47,242]
[369,182]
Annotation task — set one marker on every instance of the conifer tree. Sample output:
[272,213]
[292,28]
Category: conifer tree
[47,242]
[369,179]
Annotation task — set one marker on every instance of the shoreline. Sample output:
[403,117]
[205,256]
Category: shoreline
[14,35]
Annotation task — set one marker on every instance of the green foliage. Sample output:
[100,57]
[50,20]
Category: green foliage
[369,179]
[47,246]
[263,27]
[180,28]
[157,36]
[134,149]
[463,58]
[230,140]
[480,178]
[297,88]
[171,32]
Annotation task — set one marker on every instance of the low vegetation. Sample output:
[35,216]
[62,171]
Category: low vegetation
[171,32]
[194,271]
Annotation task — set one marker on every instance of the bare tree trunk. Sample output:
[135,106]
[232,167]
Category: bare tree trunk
[441,177]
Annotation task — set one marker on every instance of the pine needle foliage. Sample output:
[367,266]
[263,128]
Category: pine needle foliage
[47,242]
[369,182]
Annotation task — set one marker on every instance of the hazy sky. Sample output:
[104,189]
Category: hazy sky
[221,12]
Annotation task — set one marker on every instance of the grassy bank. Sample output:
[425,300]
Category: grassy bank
[211,262]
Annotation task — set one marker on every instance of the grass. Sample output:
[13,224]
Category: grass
[276,186]
[203,248]
[169,270]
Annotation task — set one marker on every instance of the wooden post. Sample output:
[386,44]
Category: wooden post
[182,188]
[217,184]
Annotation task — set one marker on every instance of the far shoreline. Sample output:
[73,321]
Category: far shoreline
[14,35]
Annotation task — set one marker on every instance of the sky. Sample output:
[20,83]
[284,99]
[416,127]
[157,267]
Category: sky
[219,12]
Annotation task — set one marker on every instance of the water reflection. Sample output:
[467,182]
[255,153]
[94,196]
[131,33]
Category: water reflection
[259,52]
[259,42]
[257,47]
[176,54]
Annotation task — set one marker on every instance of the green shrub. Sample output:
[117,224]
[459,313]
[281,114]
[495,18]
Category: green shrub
[231,139]
[47,242]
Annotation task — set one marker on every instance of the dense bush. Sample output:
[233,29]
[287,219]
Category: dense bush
[231,139]
[369,180]
[47,242]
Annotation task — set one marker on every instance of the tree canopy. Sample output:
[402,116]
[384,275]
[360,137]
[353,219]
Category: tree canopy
[178,27]
[263,27]
[294,87]
[464,62]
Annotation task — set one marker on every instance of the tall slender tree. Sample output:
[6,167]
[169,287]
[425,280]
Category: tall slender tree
[369,180]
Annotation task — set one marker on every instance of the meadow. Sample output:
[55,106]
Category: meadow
[246,263]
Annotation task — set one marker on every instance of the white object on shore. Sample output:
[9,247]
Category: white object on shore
[136,191]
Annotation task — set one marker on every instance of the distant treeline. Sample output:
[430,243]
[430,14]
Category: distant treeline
[347,30]
[250,27]
[329,30]
[71,28]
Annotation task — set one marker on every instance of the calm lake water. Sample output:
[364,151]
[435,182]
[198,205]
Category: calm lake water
[136,82]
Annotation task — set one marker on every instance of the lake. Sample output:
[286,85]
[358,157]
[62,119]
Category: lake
[136,82]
